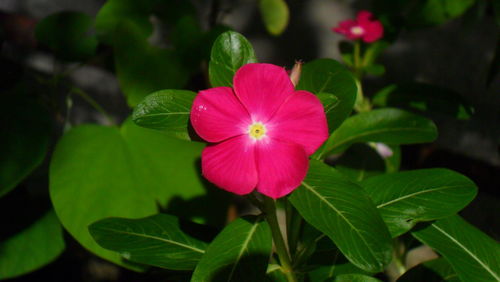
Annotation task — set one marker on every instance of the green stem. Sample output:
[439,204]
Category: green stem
[358,70]
[92,102]
[279,242]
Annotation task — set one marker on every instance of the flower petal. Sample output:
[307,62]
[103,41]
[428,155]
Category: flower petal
[374,31]
[344,27]
[301,120]
[231,165]
[281,166]
[217,114]
[262,88]
[364,16]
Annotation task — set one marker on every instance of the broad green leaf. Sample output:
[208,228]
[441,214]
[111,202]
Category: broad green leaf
[166,110]
[239,253]
[68,35]
[409,197]
[142,68]
[115,11]
[436,270]
[32,248]
[275,15]
[98,172]
[390,126]
[157,240]
[360,161]
[230,51]
[355,278]
[24,137]
[473,255]
[341,210]
[329,76]
[425,98]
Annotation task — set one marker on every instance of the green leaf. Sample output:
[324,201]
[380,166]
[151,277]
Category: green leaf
[359,162]
[355,278]
[230,51]
[473,255]
[24,137]
[436,270]
[68,35]
[239,253]
[390,126]
[424,98]
[157,240]
[409,197]
[341,210]
[275,15]
[114,12]
[329,76]
[166,110]
[32,248]
[142,68]
[98,172]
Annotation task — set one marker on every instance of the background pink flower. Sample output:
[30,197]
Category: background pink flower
[362,27]
[262,131]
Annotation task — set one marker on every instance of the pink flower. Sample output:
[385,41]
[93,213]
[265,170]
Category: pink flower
[262,131]
[361,27]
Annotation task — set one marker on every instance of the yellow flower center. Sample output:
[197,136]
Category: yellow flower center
[357,30]
[257,130]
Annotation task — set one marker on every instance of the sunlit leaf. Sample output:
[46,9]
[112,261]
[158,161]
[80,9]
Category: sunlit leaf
[275,15]
[98,172]
[230,51]
[166,110]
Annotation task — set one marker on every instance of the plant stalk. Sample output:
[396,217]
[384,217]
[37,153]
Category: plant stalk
[279,242]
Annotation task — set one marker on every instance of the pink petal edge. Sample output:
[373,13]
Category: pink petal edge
[217,114]
[301,120]
[281,167]
[231,165]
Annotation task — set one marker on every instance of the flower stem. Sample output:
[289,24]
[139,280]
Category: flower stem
[279,242]
[357,60]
